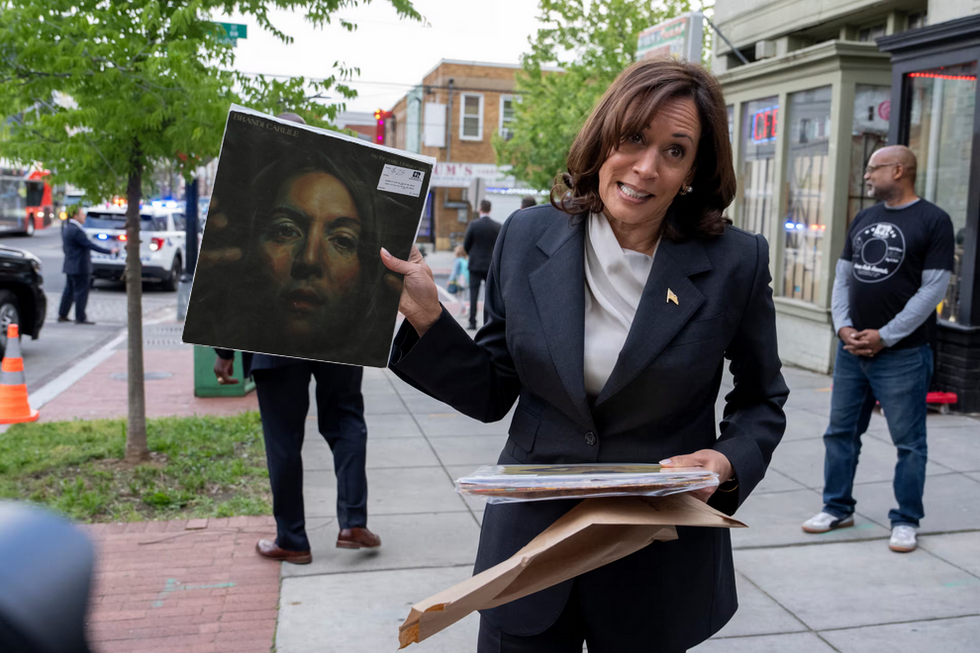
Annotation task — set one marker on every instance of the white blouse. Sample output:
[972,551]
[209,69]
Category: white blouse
[614,281]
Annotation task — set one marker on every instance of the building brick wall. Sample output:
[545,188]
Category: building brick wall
[487,80]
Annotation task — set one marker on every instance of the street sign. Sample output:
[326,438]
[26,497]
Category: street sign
[231,32]
[679,37]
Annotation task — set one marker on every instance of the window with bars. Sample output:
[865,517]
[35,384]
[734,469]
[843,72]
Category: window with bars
[471,117]
[760,124]
[807,174]
[506,116]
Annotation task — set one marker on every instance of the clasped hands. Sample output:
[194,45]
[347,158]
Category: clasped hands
[861,343]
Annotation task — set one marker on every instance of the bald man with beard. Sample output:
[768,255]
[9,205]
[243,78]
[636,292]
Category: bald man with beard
[894,270]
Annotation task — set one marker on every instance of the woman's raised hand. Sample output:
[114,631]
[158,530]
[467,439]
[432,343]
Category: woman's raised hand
[419,301]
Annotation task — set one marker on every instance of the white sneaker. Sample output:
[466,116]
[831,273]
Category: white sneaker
[824,521]
[903,539]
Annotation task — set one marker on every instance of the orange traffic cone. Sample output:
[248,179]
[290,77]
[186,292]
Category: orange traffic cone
[13,388]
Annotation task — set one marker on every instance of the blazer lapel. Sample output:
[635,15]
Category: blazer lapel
[659,317]
[558,287]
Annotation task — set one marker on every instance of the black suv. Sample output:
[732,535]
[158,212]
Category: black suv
[22,299]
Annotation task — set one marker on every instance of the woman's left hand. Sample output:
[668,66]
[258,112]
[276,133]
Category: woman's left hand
[713,461]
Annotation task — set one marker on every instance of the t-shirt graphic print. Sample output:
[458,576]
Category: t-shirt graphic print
[879,250]
[889,249]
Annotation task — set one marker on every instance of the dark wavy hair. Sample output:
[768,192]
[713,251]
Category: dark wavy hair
[627,107]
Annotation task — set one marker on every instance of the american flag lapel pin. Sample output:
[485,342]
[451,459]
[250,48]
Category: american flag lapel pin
[671,297]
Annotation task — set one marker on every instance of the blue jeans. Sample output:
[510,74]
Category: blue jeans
[899,379]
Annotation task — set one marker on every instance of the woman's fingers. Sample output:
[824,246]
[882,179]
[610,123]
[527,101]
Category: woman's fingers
[709,459]
[396,264]
[419,301]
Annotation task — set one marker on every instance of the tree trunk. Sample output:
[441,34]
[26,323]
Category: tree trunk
[136,446]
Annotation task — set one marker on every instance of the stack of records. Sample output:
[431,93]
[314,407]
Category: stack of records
[511,483]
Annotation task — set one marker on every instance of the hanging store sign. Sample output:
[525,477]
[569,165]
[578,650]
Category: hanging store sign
[679,37]
[461,175]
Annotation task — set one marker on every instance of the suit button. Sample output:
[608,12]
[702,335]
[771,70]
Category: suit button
[590,439]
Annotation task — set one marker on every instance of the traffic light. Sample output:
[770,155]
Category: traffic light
[380,115]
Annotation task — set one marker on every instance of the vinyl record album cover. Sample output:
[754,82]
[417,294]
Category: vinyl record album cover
[289,261]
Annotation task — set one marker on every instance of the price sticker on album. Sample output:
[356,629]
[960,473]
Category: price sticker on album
[404,181]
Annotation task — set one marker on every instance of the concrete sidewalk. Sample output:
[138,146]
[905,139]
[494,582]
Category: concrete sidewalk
[843,591]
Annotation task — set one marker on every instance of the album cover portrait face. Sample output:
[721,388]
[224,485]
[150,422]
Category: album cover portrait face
[289,261]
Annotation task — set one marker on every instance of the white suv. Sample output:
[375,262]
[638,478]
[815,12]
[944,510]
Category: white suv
[162,242]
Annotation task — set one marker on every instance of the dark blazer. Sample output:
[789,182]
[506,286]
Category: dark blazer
[253,362]
[78,250]
[478,242]
[659,401]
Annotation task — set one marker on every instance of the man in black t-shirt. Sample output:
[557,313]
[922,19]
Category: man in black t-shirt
[893,272]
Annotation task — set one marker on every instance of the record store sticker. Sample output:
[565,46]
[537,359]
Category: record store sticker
[404,181]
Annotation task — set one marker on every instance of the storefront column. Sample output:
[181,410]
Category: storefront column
[779,195]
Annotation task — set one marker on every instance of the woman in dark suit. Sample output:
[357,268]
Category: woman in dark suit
[608,317]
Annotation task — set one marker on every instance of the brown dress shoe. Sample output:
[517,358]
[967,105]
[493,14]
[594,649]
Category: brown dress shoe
[355,538]
[269,549]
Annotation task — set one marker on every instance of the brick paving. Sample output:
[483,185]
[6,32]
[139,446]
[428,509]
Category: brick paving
[99,395]
[186,586]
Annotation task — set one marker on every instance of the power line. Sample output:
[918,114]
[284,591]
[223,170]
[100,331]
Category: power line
[376,83]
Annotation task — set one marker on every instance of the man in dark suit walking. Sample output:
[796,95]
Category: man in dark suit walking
[283,388]
[480,238]
[77,267]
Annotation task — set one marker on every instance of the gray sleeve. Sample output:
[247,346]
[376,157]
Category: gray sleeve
[918,308]
[839,308]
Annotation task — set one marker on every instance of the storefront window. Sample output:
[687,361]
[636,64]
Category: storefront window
[807,169]
[869,132]
[731,121]
[760,122]
[940,134]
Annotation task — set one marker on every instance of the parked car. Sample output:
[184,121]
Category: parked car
[162,243]
[22,299]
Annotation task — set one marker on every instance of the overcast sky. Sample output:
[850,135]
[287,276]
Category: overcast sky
[393,54]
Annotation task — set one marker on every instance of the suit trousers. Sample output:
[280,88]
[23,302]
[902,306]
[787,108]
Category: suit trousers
[76,290]
[476,278]
[572,628]
[284,400]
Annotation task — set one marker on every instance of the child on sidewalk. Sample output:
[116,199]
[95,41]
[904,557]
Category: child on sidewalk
[459,278]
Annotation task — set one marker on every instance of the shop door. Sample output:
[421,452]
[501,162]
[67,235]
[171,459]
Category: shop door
[942,102]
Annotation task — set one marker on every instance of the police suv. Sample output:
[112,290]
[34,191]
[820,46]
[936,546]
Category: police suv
[162,242]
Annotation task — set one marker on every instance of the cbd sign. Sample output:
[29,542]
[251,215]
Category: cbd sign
[764,124]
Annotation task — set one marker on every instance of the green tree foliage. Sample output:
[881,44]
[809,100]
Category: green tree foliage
[593,41]
[102,91]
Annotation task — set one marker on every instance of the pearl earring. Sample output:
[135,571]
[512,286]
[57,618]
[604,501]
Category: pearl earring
[686,190]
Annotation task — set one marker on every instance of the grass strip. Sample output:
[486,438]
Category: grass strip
[199,467]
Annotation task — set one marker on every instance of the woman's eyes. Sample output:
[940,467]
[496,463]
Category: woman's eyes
[675,151]
[285,230]
[344,242]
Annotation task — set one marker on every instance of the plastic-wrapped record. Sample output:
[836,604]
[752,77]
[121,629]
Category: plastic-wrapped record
[505,483]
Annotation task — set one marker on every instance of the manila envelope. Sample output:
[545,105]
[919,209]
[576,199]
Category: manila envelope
[590,535]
